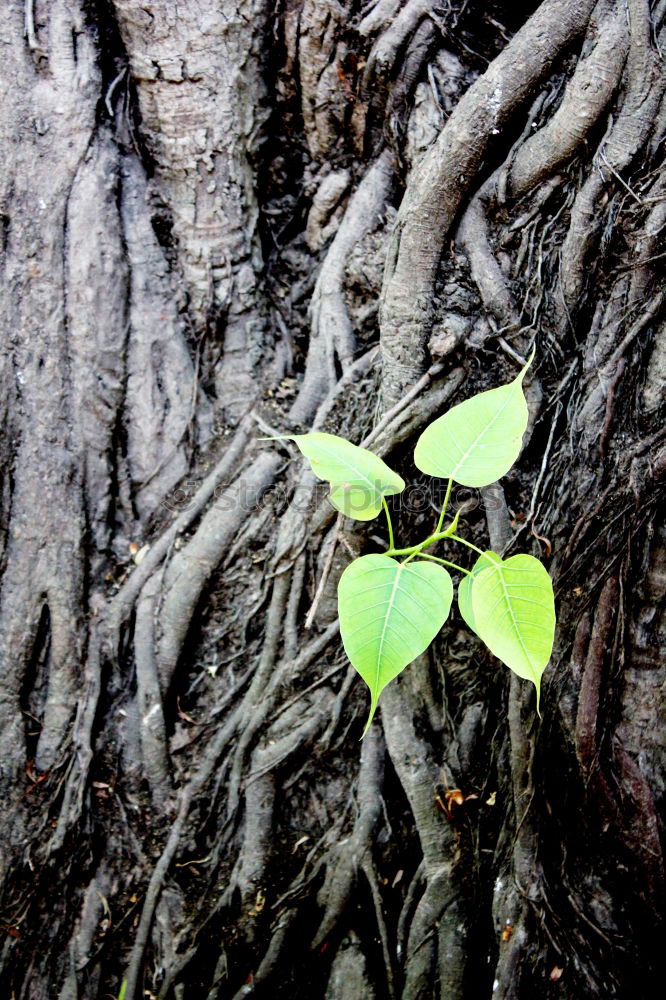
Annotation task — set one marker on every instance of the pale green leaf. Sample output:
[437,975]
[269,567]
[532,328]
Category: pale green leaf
[465,601]
[359,479]
[465,588]
[477,441]
[360,502]
[513,610]
[389,614]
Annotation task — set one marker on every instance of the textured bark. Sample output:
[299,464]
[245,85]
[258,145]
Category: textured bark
[227,221]
[196,68]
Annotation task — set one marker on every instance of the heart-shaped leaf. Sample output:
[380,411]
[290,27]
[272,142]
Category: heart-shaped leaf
[359,478]
[477,441]
[513,610]
[389,614]
[465,588]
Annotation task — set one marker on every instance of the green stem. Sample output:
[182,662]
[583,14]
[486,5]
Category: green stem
[463,541]
[388,521]
[417,550]
[445,505]
[414,549]
[444,562]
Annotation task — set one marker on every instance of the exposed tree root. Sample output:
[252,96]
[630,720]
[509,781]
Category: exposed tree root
[331,330]
[345,859]
[447,173]
[616,151]
[154,750]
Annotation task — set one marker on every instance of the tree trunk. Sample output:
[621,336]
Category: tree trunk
[227,221]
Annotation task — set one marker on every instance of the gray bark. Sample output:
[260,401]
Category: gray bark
[227,221]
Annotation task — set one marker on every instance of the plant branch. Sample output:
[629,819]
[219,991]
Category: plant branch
[470,545]
[388,521]
[436,537]
[444,506]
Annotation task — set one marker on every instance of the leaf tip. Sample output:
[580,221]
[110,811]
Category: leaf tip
[373,709]
[528,364]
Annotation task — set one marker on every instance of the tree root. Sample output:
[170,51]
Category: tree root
[345,859]
[384,52]
[331,330]
[486,272]
[588,699]
[237,721]
[616,152]
[283,738]
[594,82]
[445,175]
[128,593]
[154,749]
[348,979]
[369,872]
[403,704]
[249,717]
[381,13]
[520,883]
[542,153]
[191,568]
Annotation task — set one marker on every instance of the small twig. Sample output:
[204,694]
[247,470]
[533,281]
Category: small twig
[508,349]
[403,402]
[540,538]
[108,97]
[610,401]
[324,574]
[266,428]
[532,513]
[643,320]
[405,912]
[640,263]
[312,687]
[617,176]
[369,873]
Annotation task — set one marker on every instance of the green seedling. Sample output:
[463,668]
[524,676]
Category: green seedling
[392,605]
